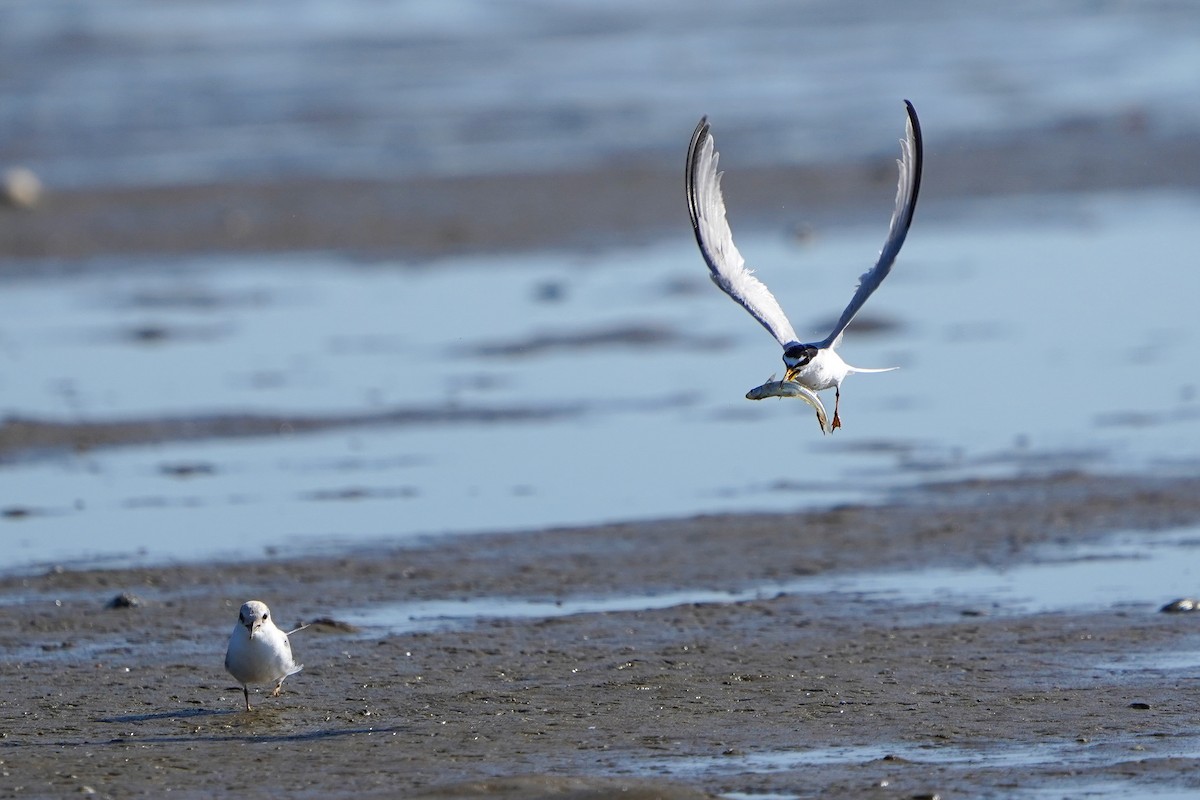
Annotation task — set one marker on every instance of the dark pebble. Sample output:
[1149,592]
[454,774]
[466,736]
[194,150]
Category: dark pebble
[125,600]
[1181,605]
[330,624]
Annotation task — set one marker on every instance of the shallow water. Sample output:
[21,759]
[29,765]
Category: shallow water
[1006,756]
[783,760]
[1020,345]
[1133,572]
[138,91]
[513,392]
[1111,790]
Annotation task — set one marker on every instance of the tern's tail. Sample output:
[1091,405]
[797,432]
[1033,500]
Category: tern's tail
[851,370]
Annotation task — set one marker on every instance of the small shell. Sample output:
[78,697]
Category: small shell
[20,188]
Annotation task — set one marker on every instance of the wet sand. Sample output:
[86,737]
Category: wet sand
[675,702]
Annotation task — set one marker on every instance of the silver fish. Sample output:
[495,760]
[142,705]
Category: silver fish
[774,388]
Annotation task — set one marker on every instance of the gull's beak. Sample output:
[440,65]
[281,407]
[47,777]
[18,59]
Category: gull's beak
[252,627]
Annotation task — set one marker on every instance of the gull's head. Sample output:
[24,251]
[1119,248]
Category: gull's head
[796,358]
[253,616]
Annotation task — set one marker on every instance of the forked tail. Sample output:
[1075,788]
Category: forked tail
[851,370]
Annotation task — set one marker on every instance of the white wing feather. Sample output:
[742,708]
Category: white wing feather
[728,268]
[906,202]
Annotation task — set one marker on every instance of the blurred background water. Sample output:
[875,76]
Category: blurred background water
[143,91]
[1034,332]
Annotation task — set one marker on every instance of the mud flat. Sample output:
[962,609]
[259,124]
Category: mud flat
[713,655]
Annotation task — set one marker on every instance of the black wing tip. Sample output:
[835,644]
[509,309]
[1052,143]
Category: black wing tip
[918,147]
[912,114]
[916,129]
[698,136]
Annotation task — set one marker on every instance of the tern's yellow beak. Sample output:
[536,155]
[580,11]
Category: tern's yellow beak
[790,374]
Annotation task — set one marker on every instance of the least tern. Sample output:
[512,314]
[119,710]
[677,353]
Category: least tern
[258,651]
[814,365]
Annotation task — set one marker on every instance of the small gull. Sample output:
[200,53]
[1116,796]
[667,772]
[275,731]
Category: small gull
[258,651]
[814,366]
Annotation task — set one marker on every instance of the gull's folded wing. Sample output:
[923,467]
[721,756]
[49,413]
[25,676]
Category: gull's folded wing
[906,202]
[707,208]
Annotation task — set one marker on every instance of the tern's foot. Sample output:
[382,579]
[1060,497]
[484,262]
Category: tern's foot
[837,422]
[277,691]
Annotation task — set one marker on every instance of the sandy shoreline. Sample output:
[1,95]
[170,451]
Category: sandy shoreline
[692,698]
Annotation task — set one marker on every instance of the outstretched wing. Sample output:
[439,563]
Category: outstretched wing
[906,203]
[728,268]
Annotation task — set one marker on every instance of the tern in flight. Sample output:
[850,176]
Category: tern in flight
[816,365]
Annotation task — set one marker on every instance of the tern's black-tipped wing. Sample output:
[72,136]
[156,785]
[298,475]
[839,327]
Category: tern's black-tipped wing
[906,202]
[707,208]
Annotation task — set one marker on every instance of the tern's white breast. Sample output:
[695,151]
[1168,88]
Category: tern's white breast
[824,370]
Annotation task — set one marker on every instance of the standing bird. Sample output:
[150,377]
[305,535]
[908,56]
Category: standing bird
[817,365]
[258,651]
